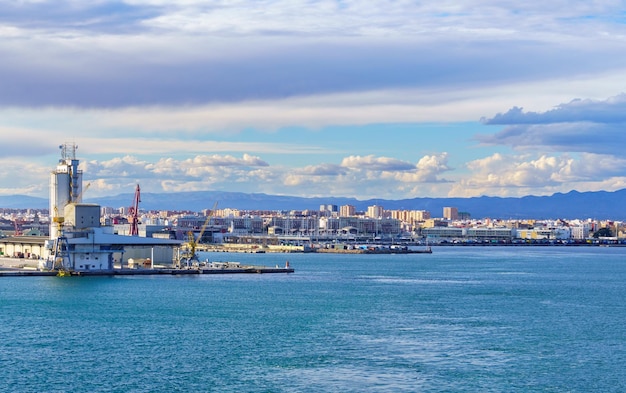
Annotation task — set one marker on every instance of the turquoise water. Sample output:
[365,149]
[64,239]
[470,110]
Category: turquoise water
[476,319]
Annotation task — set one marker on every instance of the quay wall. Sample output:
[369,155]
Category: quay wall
[250,248]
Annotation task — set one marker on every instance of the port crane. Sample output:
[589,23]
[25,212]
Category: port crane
[60,254]
[17,225]
[79,198]
[133,213]
[193,240]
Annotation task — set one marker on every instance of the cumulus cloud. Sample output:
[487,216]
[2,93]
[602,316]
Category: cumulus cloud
[116,167]
[209,169]
[322,170]
[369,175]
[433,165]
[16,177]
[371,162]
[518,175]
[362,176]
[217,160]
[200,172]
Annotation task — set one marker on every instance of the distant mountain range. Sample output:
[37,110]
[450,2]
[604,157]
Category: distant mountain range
[598,205]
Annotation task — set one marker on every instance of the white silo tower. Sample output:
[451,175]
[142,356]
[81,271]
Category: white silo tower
[66,185]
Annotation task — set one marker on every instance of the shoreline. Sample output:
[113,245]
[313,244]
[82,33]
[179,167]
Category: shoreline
[387,248]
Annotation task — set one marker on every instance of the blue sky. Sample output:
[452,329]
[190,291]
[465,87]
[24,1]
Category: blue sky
[377,99]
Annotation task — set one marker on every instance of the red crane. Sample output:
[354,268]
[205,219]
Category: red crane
[133,213]
[18,226]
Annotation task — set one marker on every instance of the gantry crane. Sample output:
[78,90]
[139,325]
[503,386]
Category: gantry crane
[60,259]
[60,253]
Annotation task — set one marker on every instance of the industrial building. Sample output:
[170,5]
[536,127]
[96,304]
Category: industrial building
[77,240]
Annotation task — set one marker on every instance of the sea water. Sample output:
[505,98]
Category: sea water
[463,319]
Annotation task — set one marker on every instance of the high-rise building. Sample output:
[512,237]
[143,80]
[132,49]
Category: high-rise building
[409,216]
[375,211]
[451,213]
[421,215]
[347,211]
[328,210]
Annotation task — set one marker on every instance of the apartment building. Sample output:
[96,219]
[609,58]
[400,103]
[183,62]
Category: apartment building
[375,211]
[450,213]
[347,211]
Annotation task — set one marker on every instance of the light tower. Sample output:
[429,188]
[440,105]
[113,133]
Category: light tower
[66,186]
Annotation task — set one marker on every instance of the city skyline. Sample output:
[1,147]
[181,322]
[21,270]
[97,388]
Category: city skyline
[330,98]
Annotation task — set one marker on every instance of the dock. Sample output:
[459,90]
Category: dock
[26,270]
[244,269]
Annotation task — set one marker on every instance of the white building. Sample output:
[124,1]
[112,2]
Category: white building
[490,233]
[77,240]
[581,232]
[375,211]
[557,233]
[444,232]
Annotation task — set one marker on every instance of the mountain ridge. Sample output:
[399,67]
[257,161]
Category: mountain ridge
[573,204]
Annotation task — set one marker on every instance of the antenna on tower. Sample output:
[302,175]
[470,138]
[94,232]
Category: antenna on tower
[68,151]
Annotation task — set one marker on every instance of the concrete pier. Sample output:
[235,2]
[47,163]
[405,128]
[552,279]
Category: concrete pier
[11,267]
[149,272]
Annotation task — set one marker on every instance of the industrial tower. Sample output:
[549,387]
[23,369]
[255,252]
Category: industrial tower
[66,186]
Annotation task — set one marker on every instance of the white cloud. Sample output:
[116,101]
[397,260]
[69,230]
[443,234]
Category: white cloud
[145,53]
[17,177]
[192,80]
[371,162]
[526,174]
[168,174]
[433,165]
[368,176]
[322,170]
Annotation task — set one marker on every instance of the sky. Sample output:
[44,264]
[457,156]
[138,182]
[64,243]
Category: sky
[389,99]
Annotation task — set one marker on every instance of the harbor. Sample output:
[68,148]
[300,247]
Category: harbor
[83,240]
[79,245]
